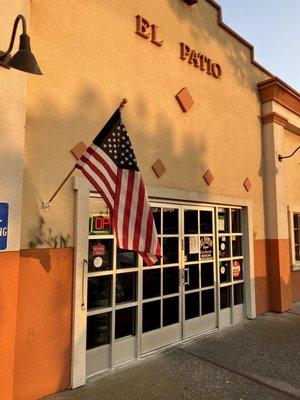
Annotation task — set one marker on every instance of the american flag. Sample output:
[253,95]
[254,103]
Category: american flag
[110,165]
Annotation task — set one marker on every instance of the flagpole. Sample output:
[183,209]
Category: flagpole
[47,204]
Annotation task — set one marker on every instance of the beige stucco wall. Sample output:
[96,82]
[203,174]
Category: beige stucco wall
[91,59]
[12,117]
[292,168]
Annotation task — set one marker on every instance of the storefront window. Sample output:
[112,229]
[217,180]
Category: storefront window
[100,254]
[125,322]
[297,236]
[223,220]
[98,330]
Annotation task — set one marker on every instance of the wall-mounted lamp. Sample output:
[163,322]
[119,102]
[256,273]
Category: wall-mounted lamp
[280,157]
[23,60]
[191,2]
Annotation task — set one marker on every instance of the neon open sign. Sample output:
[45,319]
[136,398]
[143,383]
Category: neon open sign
[100,224]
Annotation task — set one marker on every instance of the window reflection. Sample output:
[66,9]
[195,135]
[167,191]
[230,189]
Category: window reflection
[225,297]
[206,222]
[207,274]
[170,221]
[170,280]
[190,221]
[236,220]
[170,311]
[151,283]
[192,305]
[207,301]
[99,292]
[156,212]
[238,294]
[98,330]
[125,322]
[151,316]
[237,246]
[170,250]
[126,259]
[126,287]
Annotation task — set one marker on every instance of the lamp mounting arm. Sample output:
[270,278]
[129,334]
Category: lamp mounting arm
[13,35]
[280,157]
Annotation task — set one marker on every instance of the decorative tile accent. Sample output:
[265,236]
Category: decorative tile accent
[184,99]
[208,177]
[78,150]
[191,2]
[159,168]
[247,184]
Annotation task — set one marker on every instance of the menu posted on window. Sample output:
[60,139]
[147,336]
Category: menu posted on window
[206,248]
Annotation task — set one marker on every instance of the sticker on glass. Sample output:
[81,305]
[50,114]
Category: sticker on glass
[98,250]
[194,244]
[236,269]
[98,262]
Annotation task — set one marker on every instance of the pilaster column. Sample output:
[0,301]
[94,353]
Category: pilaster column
[277,236]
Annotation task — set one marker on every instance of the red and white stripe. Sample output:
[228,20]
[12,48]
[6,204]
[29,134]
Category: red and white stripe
[124,193]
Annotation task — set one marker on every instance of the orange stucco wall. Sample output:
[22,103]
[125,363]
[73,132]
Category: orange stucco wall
[279,273]
[9,269]
[43,331]
[295,281]
[261,279]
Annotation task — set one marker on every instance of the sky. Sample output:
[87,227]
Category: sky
[273,28]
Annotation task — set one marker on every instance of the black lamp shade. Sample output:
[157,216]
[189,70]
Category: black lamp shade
[191,2]
[24,60]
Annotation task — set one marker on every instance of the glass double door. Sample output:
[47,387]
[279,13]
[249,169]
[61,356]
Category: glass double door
[179,293]
[134,309]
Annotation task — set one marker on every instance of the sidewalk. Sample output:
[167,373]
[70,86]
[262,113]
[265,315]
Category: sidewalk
[257,359]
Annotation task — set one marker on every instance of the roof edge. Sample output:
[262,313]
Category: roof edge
[238,37]
[274,89]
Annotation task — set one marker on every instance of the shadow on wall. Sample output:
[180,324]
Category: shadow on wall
[201,31]
[51,134]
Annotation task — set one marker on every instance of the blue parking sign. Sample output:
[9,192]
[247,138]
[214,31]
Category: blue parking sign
[3,225]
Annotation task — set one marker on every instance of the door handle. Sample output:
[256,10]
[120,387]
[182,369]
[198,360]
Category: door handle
[187,281]
[85,262]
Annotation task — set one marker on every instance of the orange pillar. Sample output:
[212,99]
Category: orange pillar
[278,258]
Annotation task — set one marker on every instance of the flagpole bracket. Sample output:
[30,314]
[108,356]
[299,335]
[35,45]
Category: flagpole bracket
[46,205]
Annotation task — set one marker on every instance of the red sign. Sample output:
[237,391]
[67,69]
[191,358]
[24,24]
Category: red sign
[236,269]
[101,223]
[98,250]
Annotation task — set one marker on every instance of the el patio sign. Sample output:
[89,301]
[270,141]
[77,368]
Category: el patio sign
[147,30]
[3,225]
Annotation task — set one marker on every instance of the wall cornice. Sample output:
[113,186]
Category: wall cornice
[274,118]
[274,89]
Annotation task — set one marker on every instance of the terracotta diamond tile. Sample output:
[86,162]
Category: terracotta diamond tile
[184,99]
[159,168]
[78,150]
[247,184]
[208,177]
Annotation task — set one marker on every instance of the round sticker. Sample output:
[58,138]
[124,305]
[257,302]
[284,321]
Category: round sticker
[236,269]
[223,246]
[222,270]
[98,262]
